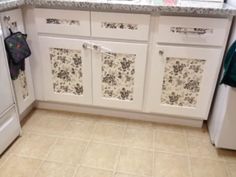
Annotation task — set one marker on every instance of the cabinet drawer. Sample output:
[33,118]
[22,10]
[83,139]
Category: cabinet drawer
[192,30]
[69,22]
[120,25]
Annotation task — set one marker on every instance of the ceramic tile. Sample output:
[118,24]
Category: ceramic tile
[92,172]
[101,156]
[79,129]
[202,148]
[169,128]
[108,133]
[125,175]
[84,117]
[229,155]
[51,169]
[169,165]
[135,161]
[210,168]
[171,142]
[17,166]
[197,132]
[33,145]
[139,124]
[3,158]
[111,120]
[139,137]
[47,122]
[67,151]
[232,169]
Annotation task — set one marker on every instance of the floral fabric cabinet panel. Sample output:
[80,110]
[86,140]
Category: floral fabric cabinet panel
[23,85]
[182,80]
[118,75]
[67,70]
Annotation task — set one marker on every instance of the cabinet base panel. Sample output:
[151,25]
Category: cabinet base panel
[119,113]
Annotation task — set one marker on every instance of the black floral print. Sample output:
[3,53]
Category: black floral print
[114,25]
[62,21]
[67,74]
[23,85]
[181,82]
[118,72]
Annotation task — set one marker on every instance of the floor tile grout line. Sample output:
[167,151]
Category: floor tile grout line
[46,156]
[119,152]
[188,154]
[86,148]
[154,153]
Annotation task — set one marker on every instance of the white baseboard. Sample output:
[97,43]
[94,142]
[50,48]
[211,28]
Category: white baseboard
[119,113]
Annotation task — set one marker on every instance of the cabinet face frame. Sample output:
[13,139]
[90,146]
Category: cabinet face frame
[16,20]
[72,44]
[140,67]
[207,84]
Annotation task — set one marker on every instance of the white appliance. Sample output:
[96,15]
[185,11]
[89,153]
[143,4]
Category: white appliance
[222,122]
[9,120]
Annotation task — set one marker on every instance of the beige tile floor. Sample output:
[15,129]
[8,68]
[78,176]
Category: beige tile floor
[59,144]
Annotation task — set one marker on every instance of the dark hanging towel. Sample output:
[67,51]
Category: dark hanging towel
[229,77]
[17,51]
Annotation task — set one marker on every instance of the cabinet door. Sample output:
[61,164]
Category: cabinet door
[182,80]
[118,75]
[23,86]
[66,70]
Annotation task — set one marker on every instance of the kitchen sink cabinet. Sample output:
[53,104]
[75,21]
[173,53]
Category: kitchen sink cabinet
[136,64]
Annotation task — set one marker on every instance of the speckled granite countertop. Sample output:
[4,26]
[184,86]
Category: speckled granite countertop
[135,6]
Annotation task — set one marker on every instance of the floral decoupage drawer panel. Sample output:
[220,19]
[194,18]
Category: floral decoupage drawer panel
[118,72]
[23,85]
[66,66]
[181,82]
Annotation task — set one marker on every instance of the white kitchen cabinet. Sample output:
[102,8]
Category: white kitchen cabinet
[118,74]
[23,85]
[182,80]
[66,70]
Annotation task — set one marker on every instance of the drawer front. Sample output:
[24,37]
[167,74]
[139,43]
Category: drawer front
[192,30]
[120,25]
[68,22]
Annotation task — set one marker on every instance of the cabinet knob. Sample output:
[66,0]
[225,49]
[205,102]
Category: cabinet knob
[161,52]
[85,45]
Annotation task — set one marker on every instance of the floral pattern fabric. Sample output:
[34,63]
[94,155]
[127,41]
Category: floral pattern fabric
[181,82]
[113,25]
[66,66]
[118,76]
[23,85]
[62,21]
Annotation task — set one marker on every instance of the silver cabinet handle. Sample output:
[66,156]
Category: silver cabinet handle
[102,50]
[186,30]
